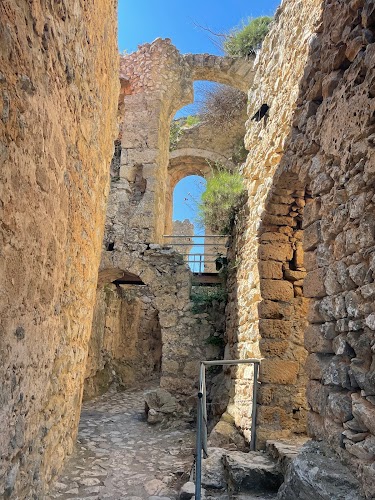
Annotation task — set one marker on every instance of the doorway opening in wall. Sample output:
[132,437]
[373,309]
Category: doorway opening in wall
[188,233]
[125,348]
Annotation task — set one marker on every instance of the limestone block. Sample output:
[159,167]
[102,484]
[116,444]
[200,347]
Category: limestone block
[313,285]
[316,365]
[276,290]
[278,371]
[270,269]
[278,209]
[252,471]
[317,396]
[279,220]
[294,276]
[226,435]
[330,82]
[339,406]
[313,314]
[273,348]
[331,282]
[315,341]
[318,473]
[310,260]
[275,310]
[274,328]
[213,469]
[312,236]
[337,372]
[281,252]
[274,236]
[364,412]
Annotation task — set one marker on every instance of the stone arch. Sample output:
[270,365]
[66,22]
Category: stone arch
[182,163]
[169,280]
[152,100]
[235,72]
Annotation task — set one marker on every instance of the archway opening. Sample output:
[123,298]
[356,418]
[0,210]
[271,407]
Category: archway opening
[188,231]
[125,348]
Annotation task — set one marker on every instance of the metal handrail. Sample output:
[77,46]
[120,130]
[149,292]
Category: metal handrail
[199,256]
[201,441]
[195,236]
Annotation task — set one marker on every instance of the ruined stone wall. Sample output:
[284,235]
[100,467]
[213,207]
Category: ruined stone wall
[259,263]
[125,344]
[317,191]
[159,82]
[184,332]
[58,97]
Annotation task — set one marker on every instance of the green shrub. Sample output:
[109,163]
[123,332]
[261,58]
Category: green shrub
[246,40]
[224,191]
[203,297]
[191,120]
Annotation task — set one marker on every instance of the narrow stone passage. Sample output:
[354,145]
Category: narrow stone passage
[119,456]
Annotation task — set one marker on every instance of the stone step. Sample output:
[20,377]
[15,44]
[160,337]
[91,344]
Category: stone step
[285,450]
[251,472]
[235,474]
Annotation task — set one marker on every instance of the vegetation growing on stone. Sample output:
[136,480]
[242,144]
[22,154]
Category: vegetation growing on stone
[244,41]
[224,191]
[177,127]
[222,105]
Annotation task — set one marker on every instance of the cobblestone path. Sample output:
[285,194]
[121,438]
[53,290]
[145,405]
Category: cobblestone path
[119,456]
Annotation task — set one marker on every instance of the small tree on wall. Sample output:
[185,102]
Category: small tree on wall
[224,192]
[247,40]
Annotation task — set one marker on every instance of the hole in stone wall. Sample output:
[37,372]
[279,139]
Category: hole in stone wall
[261,113]
[110,246]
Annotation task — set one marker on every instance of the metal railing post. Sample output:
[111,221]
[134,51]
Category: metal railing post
[204,412]
[198,458]
[254,408]
[201,442]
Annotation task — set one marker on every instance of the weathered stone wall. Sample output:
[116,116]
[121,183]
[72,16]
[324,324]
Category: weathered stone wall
[314,185]
[266,261]
[159,82]
[125,344]
[184,332]
[58,96]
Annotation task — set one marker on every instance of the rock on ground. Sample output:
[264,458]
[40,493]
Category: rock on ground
[318,473]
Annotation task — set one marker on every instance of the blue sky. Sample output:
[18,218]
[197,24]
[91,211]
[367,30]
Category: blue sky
[142,21]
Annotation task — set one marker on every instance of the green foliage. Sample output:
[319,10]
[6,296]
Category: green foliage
[174,134]
[177,127]
[224,191]
[203,297]
[191,120]
[246,40]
